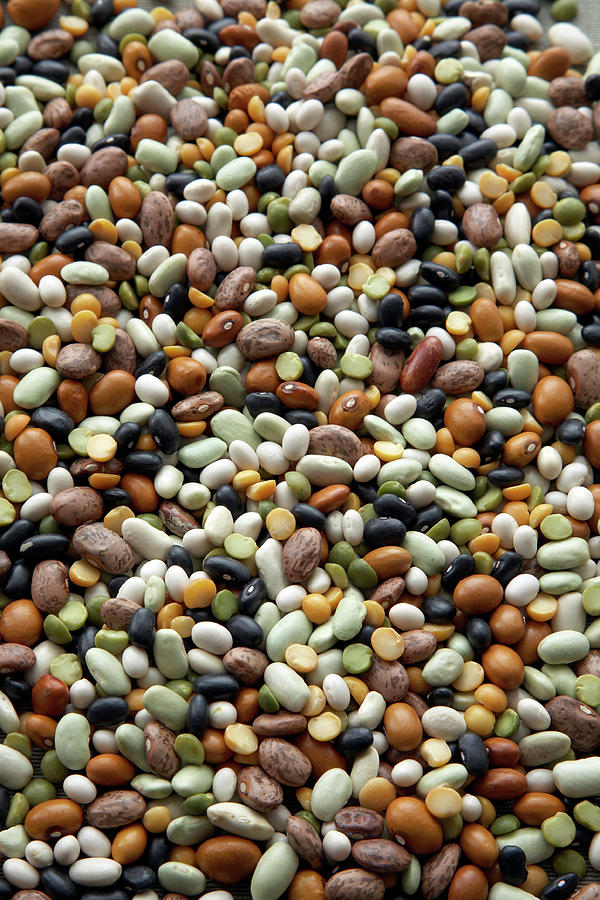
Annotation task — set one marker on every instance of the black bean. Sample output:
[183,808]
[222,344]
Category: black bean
[233,572]
[252,596]
[56,422]
[507,567]
[141,628]
[461,567]
[308,516]
[473,753]
[163,428]
[107,711]
[439,610]
[353,741]
[245,631]
[384,532]
[264,401]
[216,687]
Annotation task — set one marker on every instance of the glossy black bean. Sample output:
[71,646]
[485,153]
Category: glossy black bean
[478,152]
[452,7]
[588,275]
[461,567]
[57,423]
[75,134]
[269,178]
[58,885]
[206,40]
[153,364]
[284,99]
[179,556]
[494,382]
[7,890]
[439,276]
[107,711]
[127,435]
[560,888]
[264,401]
[442,205]
[23,65]
[301,417]
[44,546]
[422,224]
[157,851]
[16,688]
[439,610]
[308,516]
[110,893]
[430,404]
[384,532]
[518,39]
[425,317]
[393,339]
[445,144]
[238,52]
[115,584]
[353,741]
[327,191]
[490,447]
[390,505]
[282,256]
[27,211]
[591,334]
[446,178]
[233,572]
[138,877]
[4,804]
[106,46]
[219,686]
[592,87]
[507,567]
[445,49]
[571,431]
[512,863]
[513,397]
[52,69]
[74,240]
[7,75]
[440,696]
[390,311]
[252,596]
[176,303]
[473,753]
[176,183]
[141,628]
[522,6]
[361,42]
[366,490]
[101,12]
[479,633]
[477,123]
[426,294]
[245,631]
[364,635]
[197,714]
[18,581]
[163,428]
[453,96]
[506,476]
[310,372]
[143,462]
[227,496]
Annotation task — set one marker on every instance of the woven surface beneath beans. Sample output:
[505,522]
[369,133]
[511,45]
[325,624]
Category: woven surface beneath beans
[589,20]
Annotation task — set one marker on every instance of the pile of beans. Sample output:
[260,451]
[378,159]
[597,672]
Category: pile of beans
[300,451]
